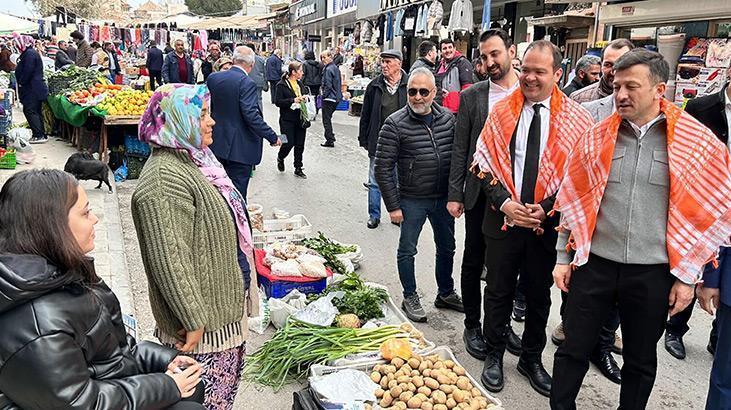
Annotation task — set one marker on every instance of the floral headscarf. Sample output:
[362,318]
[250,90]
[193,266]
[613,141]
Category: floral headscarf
[172,120]
[22,41]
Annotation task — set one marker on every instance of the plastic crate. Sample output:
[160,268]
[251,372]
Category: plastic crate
[5,122]
[7,100]
[294,229]
[135,147]
[7,159]
[343,105]
[442,351]
[279,288]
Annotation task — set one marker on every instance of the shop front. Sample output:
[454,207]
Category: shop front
[692,36]
[306,34]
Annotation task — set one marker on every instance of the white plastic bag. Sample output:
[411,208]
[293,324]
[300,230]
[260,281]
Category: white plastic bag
[260,323]
[281,309]
[321,312]
[311,108]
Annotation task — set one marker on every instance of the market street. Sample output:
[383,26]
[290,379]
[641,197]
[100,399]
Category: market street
[334,201]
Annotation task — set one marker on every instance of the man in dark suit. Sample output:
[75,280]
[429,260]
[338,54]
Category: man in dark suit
[713,111]
[154,65]
[240,128]
[530,130]
[31,87]
[465,195]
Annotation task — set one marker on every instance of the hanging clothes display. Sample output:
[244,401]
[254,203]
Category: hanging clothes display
[389,26]
[94,33]
[204,39]
[408,23]
[460,19]
[397,30]
[105,34]
[422,25]
[436,14]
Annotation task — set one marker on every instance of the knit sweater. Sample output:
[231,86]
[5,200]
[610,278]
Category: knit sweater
[188,243]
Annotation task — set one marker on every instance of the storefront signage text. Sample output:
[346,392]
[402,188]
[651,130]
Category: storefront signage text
[628,10]
[306,10]
[338,7]
[389,4]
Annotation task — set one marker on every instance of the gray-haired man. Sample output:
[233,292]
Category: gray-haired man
[422,130]
[588,70]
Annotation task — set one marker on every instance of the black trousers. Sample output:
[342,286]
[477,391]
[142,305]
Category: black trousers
[473,262]
[521,251]
[295,139]
[328,109]
[678,324]
[606,335]
[273,88]
[155,79]
[641,292]
[33,111]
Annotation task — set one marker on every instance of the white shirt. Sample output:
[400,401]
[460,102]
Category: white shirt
[643,129]
[497,93]
[728,115]
[521,137]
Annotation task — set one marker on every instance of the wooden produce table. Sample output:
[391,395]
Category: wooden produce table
[110,121]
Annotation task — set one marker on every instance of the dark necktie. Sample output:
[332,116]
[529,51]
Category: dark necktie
[532,157]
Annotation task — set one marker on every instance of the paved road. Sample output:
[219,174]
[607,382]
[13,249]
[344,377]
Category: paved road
[334,201]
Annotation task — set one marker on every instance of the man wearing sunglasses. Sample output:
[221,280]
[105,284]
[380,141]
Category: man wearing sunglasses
[417,142]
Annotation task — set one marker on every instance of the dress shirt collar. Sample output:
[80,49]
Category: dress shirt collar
[643,129]
[545,103]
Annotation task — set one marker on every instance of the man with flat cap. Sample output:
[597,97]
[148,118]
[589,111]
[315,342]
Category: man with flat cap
[384,95]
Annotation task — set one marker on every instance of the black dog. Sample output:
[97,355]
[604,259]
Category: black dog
[83,166]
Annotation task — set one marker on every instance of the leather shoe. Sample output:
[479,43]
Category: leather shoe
[674,345]
[607,366]
[711,348]
[492,373]
[373,223]
[474,343]
[328,145]
[514,344]
[539,378]
[280,165]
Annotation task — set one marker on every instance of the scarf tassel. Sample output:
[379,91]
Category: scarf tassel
[551,213]
[494,181]
[504,227]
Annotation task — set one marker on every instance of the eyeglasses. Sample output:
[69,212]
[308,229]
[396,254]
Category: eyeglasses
[423,91]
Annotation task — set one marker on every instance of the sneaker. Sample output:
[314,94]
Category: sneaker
[558,336]
[38,140]
[451,301]
[412,307]
[298,172]
[280,165]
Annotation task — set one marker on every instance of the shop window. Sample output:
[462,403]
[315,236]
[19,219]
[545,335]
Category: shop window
[723,29]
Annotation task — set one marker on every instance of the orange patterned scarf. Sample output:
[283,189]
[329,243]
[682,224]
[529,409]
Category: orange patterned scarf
[492,156]
[699,212]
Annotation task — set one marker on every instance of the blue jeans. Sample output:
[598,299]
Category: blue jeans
[374,194]
[719,389]
[416,212]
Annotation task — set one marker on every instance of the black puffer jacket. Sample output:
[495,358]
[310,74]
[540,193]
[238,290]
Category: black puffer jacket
[64,345]
[313,74]
[423,155]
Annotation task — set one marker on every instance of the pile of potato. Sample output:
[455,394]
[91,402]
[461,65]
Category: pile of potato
[427,383]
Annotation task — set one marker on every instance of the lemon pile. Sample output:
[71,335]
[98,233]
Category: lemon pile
[126,102]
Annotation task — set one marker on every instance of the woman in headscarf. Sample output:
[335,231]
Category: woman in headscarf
[31,87]
[195,240]
[222,64]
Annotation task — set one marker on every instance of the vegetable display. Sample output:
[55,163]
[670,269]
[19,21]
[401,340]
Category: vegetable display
[429,383]
[298,345]
[329,250]
[73,78]
[359,299]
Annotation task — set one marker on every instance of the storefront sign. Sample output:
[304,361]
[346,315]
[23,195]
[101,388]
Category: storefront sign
[628,10]
[338,7]
[390,4]
[307,11]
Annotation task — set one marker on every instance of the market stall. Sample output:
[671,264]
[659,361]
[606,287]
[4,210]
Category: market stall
[343,335]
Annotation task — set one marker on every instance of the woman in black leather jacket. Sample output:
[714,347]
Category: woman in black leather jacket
[63,342]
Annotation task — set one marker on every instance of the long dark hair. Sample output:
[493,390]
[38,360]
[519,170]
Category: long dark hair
[34,219]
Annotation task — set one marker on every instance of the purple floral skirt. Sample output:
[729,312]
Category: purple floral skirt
[221,375]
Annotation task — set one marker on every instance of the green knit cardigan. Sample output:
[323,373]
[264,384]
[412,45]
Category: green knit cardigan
[188,243]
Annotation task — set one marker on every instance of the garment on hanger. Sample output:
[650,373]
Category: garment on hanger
[408,24]
[460,19]
[422,25]
[204,39]
[397,30]
[436,15]
[389,26]
[105,34]
[381,27]
[366,32]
